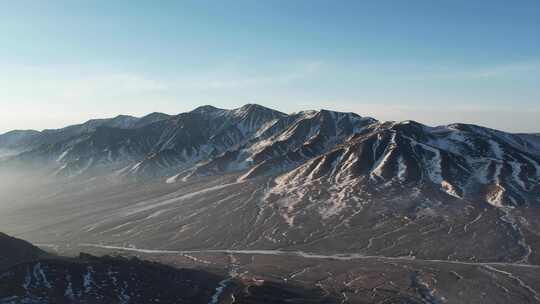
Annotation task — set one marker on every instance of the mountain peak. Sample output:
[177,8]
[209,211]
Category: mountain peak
[122,116]
[254,107]
[206,109]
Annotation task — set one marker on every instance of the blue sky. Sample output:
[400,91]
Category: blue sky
[434,61]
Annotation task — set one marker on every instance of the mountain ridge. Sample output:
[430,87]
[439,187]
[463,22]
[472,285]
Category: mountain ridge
[503,168]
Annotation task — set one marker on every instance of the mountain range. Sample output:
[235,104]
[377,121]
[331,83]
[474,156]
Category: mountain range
[259,182]
[462,161]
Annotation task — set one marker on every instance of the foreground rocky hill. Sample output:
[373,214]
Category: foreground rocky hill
[15,251]
[90,279]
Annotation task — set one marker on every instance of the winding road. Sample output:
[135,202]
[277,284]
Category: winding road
[308,255]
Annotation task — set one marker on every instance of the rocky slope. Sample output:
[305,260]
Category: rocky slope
[89,279]
[465,162]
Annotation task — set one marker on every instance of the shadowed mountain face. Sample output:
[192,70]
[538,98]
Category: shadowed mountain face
[204,141]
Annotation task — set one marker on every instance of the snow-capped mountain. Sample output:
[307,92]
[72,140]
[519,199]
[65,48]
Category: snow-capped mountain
[195,141]
[462,161]
[27,140]
[200,135]
[285,143]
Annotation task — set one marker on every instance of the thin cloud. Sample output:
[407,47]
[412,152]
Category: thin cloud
[232,80]
[72,84]
[486,72]
[496,117]
[112,84]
